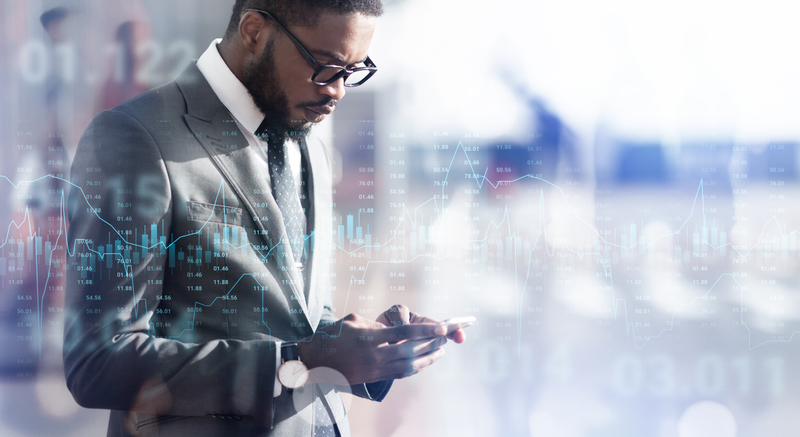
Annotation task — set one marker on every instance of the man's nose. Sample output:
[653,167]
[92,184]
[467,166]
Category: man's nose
[334,90]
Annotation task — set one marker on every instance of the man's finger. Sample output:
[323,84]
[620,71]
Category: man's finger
[396,315]
[400,313]
[406,367]
[458,336]
[416,318]
[394,334]
[411,348]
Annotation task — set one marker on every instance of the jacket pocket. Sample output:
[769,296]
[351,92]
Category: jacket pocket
[158,421]
[206,213]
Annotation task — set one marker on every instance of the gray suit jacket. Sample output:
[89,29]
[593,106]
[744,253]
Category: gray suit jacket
[176,288]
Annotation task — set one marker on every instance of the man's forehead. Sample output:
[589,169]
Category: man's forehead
[344,38]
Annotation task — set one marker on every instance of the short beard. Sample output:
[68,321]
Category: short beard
[261,80]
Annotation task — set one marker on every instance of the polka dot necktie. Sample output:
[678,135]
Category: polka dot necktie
[285,193]
[323,425]
[294,219]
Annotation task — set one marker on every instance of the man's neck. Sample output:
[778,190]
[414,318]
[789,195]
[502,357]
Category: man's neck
[232,57]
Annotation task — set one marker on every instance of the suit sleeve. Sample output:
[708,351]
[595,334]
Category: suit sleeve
[112,358]
[374,391]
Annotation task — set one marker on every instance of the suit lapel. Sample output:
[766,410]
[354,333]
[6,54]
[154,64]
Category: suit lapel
[319,192]
[311,229]
[215,129]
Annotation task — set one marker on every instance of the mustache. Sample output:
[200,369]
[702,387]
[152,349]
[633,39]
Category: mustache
[319,103]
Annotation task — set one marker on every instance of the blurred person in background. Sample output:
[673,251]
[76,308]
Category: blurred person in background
[125,82]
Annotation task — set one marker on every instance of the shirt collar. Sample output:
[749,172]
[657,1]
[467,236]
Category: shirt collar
[230,91]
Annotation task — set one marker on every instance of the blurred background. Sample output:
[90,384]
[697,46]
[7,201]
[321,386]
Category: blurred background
[607,186]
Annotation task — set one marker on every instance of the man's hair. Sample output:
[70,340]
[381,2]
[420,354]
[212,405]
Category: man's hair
[54,15]
[303,13]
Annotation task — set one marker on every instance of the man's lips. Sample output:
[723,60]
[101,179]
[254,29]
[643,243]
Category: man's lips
[316,114]
[321,109]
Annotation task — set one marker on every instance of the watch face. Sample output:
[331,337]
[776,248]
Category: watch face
[293,374]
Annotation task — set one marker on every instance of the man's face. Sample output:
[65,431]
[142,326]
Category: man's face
[279,80]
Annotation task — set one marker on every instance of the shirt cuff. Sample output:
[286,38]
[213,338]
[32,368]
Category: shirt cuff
[277,390]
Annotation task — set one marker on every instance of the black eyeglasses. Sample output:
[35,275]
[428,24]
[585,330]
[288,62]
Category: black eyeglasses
[326,74]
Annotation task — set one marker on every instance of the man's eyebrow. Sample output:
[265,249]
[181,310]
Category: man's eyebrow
[334,56]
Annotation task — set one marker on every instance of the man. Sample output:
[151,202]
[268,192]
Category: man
[200,238]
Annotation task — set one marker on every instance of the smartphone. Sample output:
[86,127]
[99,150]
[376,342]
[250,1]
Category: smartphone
[456,323]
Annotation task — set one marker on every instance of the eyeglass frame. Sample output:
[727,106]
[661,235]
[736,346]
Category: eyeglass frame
[317,66]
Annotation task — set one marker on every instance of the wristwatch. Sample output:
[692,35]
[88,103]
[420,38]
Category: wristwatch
[293,373]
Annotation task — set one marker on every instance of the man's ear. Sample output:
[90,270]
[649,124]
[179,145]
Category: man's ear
[253,31]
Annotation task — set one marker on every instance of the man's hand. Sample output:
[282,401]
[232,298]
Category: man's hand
[399,315]
[367,351]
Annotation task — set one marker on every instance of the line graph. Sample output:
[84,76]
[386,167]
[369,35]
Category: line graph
[481,180]
[411,218]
